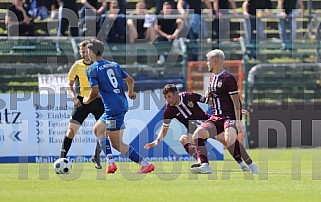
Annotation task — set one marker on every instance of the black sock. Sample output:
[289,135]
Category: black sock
[66,144]
[97,150]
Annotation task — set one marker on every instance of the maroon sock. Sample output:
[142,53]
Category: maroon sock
[191,150]
[202,151]
[234,150]
[239,151]
[245,156]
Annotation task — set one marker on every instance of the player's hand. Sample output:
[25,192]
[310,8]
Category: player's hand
[85,100]
[77,102]
[208,94]
[245,112]
[152,144]
[132,95]
[239,125]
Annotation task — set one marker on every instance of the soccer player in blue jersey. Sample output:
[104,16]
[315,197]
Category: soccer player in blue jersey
[106,79]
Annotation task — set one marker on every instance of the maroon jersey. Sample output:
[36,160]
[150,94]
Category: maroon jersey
[222,86]
[187,110]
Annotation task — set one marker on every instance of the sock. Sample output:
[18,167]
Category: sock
[105,146]
[134,156]
[242,164]
[66,144]
[202,151]
[244,155]
[97,150]
[234,150]
[251,164]
[191,150]
[110,159]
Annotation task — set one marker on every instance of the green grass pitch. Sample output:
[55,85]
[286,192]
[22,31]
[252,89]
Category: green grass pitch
[285,175]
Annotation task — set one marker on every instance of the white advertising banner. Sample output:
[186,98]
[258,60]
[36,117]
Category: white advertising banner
[32,128]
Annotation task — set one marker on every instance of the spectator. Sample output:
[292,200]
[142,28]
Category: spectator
[142,27]
[287,20]
[159,5]
[122,6]
[114,24]
[67,18]
[18,21]
[168,28]
[191,9]
[90,16]
[253,10]
[39,8]
[221,25]
[54,9]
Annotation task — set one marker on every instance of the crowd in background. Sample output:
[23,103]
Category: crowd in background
[140,25]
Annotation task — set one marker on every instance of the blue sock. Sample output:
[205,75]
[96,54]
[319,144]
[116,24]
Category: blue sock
[105,145]
[133,155]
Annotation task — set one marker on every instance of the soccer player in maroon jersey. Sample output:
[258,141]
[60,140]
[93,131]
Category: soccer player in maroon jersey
[226,113]
[184,107]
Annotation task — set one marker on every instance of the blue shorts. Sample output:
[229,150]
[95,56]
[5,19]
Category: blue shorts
[114,121]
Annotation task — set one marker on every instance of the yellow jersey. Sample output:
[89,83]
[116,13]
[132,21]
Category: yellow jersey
[78,69]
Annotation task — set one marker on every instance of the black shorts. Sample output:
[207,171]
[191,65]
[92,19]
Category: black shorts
[79,114]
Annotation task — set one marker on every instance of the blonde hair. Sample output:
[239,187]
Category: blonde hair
[216,53]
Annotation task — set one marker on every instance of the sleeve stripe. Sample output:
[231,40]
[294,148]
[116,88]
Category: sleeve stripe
[233,92]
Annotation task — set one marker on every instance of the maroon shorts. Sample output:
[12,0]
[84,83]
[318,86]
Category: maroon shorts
[215,125]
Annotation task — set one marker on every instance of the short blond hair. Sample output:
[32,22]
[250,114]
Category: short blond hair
[216,53]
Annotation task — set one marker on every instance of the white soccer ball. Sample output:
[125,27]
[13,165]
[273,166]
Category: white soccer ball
[62,166]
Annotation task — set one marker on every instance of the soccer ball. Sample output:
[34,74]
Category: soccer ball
[62,166]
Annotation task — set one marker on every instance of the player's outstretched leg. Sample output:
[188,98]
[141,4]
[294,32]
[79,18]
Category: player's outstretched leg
[66,144]
[137,158]
[240,151]
[234,151]
[200,135]
[116,138]
[204,167]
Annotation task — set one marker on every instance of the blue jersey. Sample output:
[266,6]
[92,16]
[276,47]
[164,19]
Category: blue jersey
[109,78]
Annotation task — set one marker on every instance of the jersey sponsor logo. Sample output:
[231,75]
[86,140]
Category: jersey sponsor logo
[190,104]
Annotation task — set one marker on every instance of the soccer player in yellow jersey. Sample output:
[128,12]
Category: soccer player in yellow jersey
[81,111]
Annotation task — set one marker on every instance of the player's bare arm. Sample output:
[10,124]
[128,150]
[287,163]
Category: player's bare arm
[130,84]
[94,92]
[161,135]
[72,93]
